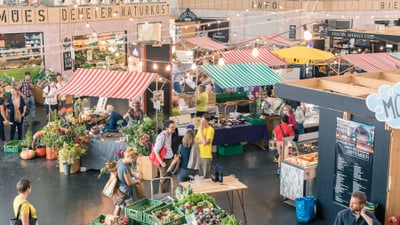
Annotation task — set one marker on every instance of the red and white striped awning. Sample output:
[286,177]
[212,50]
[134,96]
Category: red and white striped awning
[107,83]
[373,62]
[206,42]
[245,56]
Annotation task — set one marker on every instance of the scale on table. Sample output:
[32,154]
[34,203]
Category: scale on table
[182,122]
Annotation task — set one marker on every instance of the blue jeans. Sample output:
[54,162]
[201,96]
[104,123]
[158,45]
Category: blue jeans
[300,128]
[31,107]
[183,174]
[177,87]
[16,125]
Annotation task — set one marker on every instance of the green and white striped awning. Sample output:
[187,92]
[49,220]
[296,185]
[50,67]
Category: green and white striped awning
[242,75]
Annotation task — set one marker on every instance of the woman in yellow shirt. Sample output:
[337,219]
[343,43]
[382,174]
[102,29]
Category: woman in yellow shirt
[27,211]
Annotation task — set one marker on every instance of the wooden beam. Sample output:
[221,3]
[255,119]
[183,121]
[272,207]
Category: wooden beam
[393,192]
[346,116]
[346,89]
[370,83]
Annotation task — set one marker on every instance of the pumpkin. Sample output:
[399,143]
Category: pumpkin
[40,152]
[27,154]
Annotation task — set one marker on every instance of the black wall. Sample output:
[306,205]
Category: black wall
[161,56]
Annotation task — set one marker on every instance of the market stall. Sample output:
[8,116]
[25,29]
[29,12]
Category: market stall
[111,84]
[362,152]
[246,56]
[371,62]
[302,55]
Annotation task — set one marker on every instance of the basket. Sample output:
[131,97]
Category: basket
[139,210]
[177,221]
[13,146]
[225,150]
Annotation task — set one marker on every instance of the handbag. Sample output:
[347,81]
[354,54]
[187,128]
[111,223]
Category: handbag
[118,197]
[17,221]
[162,152]
[109,188]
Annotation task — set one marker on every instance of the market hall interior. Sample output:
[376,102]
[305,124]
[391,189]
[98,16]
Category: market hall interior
[77,199]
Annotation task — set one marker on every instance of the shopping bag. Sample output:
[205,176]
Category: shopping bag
[305,209]
[109,188]
[153,157]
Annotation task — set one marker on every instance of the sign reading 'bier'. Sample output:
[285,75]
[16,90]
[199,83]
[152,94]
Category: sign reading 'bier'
[44,15]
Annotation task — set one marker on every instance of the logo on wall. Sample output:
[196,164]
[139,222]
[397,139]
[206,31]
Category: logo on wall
[386,105]
[187,16]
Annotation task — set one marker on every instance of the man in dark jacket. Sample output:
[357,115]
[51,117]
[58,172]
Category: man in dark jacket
[356,213]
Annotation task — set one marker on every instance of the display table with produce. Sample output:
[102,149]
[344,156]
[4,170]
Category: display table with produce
[230,185]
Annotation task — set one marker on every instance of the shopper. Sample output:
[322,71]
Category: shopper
[126,179]
[26,89]
[280,131]
[61,98]
[27,211]
[17,107]
[50,97]
[164,139]
[288,110]
[201,100]
[356,213]
[115,121]
[3,116]
[185,150]
[204,137]
[300,115]
[134,114]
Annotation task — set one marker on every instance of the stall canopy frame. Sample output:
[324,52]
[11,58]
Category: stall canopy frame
[242,75]
[245,56]
[107,83]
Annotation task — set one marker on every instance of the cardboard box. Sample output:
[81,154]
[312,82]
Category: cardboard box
[148,170]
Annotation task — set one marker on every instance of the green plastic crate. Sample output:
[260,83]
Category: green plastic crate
[255,120]
[100,220]
[178,221]
[140,210]
[13,146]
[226,150]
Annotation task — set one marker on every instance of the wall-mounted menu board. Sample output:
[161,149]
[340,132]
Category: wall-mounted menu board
[354,152]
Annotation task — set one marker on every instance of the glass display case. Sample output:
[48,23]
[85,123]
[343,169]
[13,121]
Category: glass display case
[299,166]
[312,116]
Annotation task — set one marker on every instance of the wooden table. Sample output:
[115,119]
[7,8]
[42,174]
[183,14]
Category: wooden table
[230,186]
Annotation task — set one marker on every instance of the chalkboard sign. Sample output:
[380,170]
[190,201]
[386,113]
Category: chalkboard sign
[292,32]
[67,61]
[354,152]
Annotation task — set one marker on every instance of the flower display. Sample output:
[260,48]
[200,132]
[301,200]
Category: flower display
[141,135]
[111,166]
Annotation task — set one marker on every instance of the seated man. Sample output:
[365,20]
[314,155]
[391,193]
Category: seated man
[115,121]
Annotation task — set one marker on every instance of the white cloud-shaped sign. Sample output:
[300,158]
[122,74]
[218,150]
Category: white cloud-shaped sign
[386,105]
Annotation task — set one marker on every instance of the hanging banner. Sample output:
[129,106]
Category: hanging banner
[354,152]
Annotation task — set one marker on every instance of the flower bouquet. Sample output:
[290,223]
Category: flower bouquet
[111,166]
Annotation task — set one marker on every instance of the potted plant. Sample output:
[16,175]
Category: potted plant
[68,155]
[27,152]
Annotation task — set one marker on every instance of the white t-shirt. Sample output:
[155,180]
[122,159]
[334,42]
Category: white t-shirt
[50,91]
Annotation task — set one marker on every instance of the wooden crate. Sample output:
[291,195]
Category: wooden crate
[212,99]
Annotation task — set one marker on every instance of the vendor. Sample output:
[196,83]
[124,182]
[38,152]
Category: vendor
[50,101]
[202,101]
[178,75]
[116,120]
[134,113]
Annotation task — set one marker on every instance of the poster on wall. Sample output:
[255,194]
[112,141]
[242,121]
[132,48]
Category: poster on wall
[67,61]
[354,152]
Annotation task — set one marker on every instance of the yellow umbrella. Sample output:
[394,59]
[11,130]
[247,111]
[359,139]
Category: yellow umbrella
[302,55]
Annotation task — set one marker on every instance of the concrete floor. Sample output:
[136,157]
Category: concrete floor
[77,199]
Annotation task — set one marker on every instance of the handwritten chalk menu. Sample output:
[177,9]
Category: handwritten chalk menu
[353,160]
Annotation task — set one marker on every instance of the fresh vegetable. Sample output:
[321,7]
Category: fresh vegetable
[166,215]
[182,192]
[194,199]
[230,220]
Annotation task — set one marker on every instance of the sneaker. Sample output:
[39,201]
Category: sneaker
[278,171]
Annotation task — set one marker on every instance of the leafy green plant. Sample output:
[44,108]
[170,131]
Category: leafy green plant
[28,140]
[71,152]
[141,135]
